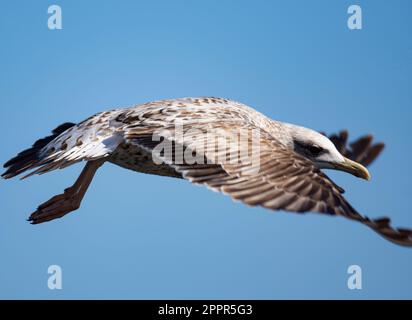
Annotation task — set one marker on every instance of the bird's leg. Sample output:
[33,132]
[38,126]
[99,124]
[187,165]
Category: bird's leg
[70,200]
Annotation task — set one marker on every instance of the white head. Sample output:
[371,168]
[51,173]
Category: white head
[322,152]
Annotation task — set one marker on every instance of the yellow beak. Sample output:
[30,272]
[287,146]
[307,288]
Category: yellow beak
[354,168]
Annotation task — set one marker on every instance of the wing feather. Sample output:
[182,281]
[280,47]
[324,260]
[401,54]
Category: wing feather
[283,179]
[89,140]
[362,150]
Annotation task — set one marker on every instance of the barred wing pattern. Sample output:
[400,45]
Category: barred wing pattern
[283,181]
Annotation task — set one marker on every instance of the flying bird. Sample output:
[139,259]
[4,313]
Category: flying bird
[286,173]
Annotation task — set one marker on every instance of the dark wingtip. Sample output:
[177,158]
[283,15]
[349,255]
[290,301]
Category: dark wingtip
[399,236]
[362,150]
[63,127]
[5,176]
[380,146]
[344,134]
[29,157]
[373,153]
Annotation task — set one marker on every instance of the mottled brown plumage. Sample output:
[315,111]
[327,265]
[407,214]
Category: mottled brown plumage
[287,175]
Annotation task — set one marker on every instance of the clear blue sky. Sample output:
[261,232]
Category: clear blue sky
[139,236]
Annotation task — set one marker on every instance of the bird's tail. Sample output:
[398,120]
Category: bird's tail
[29,158]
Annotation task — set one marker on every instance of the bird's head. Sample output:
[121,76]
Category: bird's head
[322,152]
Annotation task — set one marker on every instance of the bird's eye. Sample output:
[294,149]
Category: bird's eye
[315,149]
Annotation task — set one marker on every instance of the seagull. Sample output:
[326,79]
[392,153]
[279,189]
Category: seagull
[282,171]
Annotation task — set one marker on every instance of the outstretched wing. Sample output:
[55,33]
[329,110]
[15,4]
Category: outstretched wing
[278,179]
[362,150]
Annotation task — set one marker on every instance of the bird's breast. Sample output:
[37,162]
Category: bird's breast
[138,159]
